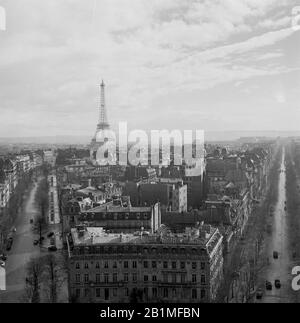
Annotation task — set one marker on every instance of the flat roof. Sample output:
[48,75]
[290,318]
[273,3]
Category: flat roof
[97,236]
[117,208]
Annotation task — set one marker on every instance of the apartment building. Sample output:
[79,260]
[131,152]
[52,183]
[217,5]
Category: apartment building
[162,267]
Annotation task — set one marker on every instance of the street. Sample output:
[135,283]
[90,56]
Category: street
[21,252]
[277,240]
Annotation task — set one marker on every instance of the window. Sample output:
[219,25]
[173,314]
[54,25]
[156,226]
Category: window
[98,292]
[202,265]
[194,293]
[86,266]
[97,278]
[115,264]
[182,265]
[165,277]
[146,292]
[194,278]
[154,278]
[165,265]
[134,264]
[86,292]
[106,294]
[86,278]
[154,292]
[145,264]
[126,277]
[134,277]
[203,280]
[145,278]
[154,264]
[166,293]
[106,278]
[174,294]
[77,293]
[125,264]
[182,278]
[202,293]
[106,264]
[173,264]
[115,292]
[194,265]
[97,265]
[173,278]
[115,277]
[77,278]
[77,265]
[126,292]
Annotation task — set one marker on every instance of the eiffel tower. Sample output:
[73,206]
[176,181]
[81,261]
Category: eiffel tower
[103,122]
[100,136]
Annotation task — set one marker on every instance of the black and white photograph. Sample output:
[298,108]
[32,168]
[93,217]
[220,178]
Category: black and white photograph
[149,154]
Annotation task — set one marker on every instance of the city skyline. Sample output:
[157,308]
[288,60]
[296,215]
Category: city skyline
[175,65]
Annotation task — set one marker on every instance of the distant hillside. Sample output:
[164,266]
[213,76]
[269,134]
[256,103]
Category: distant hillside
[209,136]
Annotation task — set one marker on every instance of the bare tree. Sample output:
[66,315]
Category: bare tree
[51,278]
[42,201]
[33,280]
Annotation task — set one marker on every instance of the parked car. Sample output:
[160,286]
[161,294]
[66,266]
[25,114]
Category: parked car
[50,234]
[277,283]
[268,285]
[52,248]
[259,293]
[52,241]
[3,257]
[9,244]
[275,255]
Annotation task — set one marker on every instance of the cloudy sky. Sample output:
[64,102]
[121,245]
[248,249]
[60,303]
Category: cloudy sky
[175,64]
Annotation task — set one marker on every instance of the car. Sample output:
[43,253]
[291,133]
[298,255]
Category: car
[52,248]
[277,283]
[259,293]
[36,242]
[50,234]
[268,285]
[275,255]
[3,257]
[9,244]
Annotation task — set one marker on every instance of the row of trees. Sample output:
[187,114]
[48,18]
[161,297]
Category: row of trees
[242,267]
[42,202]
[9,214]
[44,279]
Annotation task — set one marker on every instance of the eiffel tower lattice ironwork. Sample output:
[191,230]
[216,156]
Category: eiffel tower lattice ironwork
[103,120]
